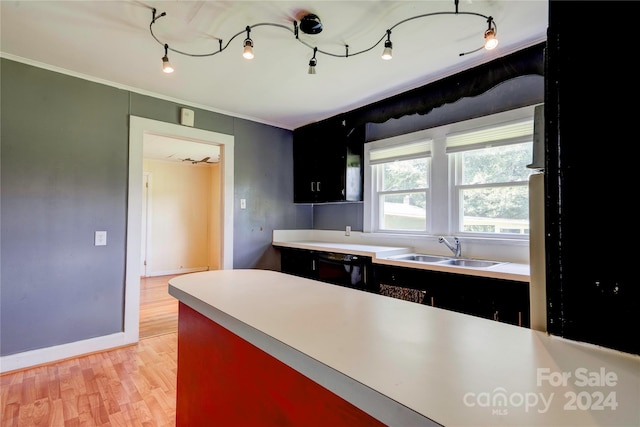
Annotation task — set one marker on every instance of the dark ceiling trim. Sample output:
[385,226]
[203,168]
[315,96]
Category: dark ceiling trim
[468,83]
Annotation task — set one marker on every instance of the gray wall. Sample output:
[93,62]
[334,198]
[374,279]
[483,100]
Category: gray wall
[64,175]
[264,177]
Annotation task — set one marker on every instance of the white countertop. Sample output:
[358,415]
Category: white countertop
[373,251]
[380,255]
[407,364]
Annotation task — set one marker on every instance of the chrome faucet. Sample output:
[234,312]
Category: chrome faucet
[456,249]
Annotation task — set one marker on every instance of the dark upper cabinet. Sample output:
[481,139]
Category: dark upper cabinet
[328,162]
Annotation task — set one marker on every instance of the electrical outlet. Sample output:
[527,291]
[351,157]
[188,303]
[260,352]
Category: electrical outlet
[347,230]
[243,203]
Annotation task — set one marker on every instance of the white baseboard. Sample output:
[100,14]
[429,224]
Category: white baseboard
[41,356]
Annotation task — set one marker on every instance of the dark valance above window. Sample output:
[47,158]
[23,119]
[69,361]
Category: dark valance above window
[468,83]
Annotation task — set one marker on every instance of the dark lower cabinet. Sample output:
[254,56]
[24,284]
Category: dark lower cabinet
[501,300]
[299,262]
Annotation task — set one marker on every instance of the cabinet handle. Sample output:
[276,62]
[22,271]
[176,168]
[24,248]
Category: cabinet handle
[318,185]
[313,265]
[519,318]
[313,188]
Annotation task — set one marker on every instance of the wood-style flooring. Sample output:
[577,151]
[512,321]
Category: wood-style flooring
[129,386]
[158,309]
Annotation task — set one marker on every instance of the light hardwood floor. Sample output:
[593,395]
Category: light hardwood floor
[129,386]
[158,309]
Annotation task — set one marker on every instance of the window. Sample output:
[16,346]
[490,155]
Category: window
[468,178]
[401,190]
[491,179]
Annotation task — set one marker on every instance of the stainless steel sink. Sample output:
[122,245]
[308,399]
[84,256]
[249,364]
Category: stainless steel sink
[477,263]
[446,260]
[422,258]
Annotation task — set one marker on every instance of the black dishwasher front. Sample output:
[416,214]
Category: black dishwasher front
[345,270]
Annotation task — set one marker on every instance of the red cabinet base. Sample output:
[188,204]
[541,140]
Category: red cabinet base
[225,381]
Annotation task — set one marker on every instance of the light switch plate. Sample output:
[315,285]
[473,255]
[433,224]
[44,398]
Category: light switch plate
[100,238]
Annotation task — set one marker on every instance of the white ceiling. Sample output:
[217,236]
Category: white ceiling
[160,147]
[110,41]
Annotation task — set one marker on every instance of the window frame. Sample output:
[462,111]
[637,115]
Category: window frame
[443,216]
[378,194]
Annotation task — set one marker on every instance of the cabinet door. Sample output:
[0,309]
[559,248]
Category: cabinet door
[331,159]
[299,262]
[319,163]
[500,300]
[327,163]
[305,164]
[511,303]
[403,283]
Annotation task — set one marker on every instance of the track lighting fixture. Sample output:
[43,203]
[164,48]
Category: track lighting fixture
[386,53]
[312,62]
[490,40]
[310,24]
[166,65]
[248,45]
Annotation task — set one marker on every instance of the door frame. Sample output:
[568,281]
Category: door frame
[146,204]
[138,127]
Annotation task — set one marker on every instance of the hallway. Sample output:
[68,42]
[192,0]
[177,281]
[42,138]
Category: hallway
[158,309]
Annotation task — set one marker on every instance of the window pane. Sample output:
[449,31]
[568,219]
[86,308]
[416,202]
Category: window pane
[506,163]
[496,210]
[404,174]
[403,211]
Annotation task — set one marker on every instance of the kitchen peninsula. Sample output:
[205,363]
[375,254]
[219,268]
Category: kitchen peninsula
[259,346]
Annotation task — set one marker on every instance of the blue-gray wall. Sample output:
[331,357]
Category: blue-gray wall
[64,175]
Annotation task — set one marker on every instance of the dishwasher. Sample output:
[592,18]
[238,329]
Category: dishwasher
[345,270]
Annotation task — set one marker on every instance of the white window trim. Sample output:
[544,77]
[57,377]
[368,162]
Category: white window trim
[439,220]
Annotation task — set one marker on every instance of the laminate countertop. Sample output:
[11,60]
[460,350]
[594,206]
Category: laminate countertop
[412,364]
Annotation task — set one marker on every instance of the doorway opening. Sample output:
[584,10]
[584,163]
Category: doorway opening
[138,128]
[181,206]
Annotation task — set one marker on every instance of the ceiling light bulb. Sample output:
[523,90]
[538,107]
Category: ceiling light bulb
[386,53]
[248,49]
[166,65]
[490,40]
[312,66]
